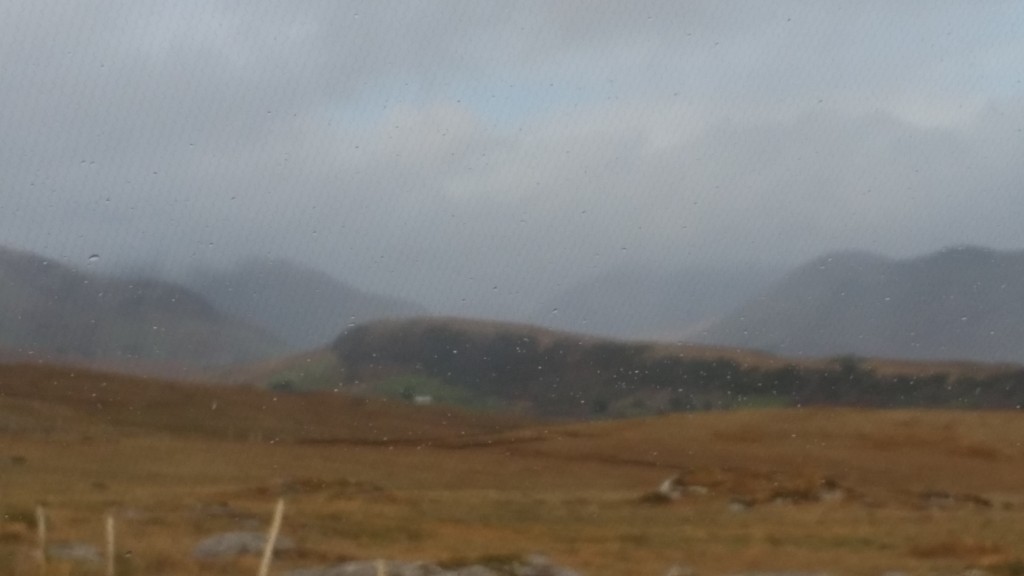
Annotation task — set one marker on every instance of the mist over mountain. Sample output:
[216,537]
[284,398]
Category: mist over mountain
[646,303]
[51,310]
[965,302]
[305,307]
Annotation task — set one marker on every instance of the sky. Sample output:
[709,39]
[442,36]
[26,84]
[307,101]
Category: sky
[490,154]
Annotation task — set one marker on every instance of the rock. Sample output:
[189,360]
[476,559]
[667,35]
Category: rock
[369,568]
[941,499]
[739,505]
[231,544]
[831,494]
[532,565]
[784,574]
[655,498]
[475,570]
[540,565]
[671,488]
[830,490]
[698,489]
[74,551]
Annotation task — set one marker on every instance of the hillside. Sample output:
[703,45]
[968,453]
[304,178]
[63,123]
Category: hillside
[116,401]
[49,310]
[644,303]
[841,491]
[538,371]
[303,306]
[961,303]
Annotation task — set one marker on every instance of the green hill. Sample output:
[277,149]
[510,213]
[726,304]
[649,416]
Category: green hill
[564,375]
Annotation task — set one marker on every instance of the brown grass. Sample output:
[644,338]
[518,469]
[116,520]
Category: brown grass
[389,480]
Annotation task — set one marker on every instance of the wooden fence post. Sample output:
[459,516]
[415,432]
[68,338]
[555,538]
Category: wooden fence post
[111,549]
[41,533]
[268,549]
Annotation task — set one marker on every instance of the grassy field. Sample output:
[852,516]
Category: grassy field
[845,491]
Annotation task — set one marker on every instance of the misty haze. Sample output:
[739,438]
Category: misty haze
[536,288]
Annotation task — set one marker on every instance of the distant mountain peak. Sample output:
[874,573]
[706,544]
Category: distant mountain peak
[54,310]
[962,302]
[305,306]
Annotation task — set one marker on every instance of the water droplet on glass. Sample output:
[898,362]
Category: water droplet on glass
[94,257]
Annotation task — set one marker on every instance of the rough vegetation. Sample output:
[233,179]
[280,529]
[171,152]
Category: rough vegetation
[782,491]
[566,375]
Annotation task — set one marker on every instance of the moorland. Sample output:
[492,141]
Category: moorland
[842,490]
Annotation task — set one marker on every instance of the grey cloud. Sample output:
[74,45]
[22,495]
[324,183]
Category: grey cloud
[441,150]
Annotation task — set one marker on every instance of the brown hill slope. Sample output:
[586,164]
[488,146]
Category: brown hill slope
[112,401]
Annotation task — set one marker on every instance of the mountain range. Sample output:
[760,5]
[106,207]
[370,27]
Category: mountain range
[305,307]
[49,310]
[961,303]
[256,310]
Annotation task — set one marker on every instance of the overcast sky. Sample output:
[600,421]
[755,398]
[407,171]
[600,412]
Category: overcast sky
[442,149]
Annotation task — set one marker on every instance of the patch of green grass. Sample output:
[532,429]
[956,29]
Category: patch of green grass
[759,401]
[411,386]
[315,373]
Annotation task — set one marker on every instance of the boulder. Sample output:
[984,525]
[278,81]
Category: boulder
[369,568]
[74,551]
[532,565]
[231,544]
